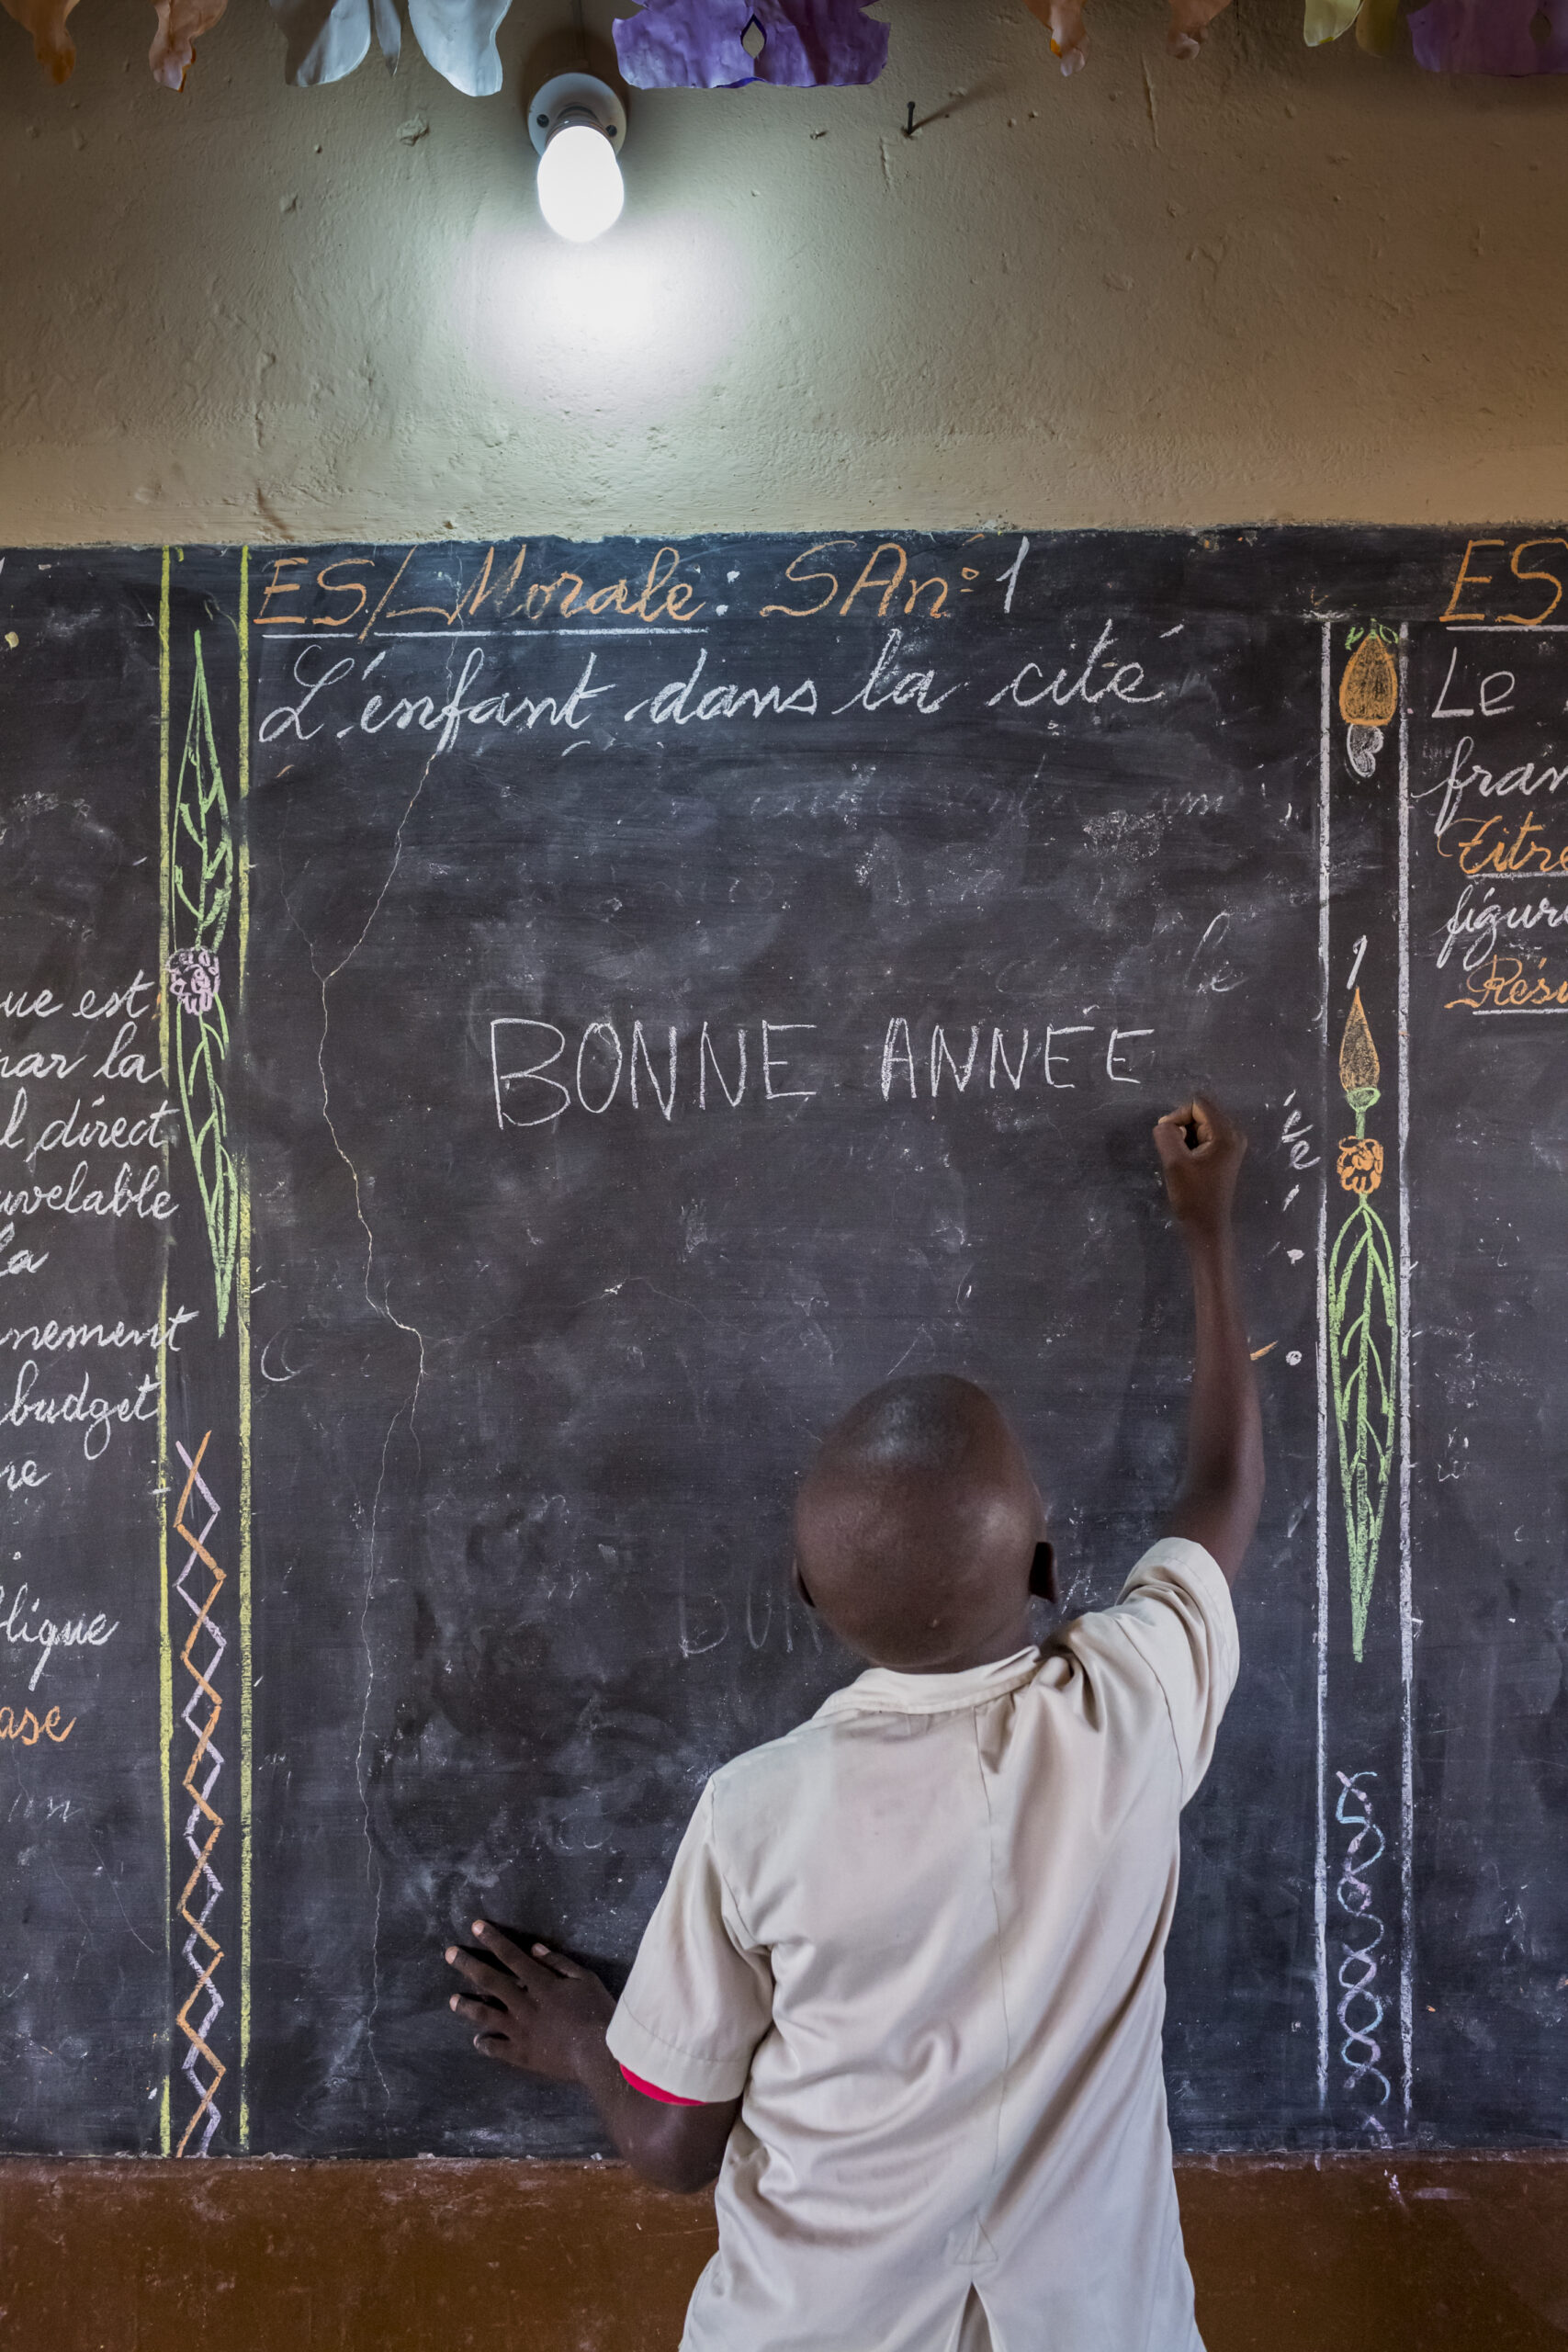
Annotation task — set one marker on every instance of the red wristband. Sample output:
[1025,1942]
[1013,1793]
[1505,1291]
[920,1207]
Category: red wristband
[652,2090]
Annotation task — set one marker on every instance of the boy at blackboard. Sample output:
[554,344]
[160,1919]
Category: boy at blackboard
[903,1993]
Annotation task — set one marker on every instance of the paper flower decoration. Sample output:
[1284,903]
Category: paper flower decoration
[459,38]
[53,45]
[1190,19]
[181,24]
[1376,22]
[327,38]
[1327,19]
[1064,20]
[1491,37]
[701,44]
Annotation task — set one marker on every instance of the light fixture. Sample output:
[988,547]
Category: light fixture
[578,125]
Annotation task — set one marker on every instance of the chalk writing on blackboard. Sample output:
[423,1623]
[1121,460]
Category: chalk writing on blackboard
[27,1728]
[27,1624]
[1495,937]
[539,1073]
[1510,984]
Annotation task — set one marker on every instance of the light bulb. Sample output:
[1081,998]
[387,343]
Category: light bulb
[580,190]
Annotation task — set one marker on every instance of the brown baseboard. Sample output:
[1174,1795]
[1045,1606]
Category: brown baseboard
[1347,2253]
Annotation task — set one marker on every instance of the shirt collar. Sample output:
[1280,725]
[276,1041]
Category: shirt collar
[887,1691]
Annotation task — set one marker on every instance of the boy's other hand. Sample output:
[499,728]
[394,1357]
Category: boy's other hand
[539,2012]
[1201,1151]
[535,2010]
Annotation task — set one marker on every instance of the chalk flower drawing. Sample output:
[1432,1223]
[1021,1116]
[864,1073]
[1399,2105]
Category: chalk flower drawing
[1368,695]
[201,865]
[193,978]
[1362,1329]
[1369,689]
[1360,1164]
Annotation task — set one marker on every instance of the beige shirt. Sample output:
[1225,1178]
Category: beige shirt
[924,1936]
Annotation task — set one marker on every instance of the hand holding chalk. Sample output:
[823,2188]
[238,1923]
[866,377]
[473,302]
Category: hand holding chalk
[1201,1151]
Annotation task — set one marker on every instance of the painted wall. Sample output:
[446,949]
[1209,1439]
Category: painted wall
[1275,284]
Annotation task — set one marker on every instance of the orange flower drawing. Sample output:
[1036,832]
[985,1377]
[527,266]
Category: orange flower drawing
[1360,1164]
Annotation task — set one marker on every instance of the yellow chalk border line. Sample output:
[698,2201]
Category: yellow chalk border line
[165,1661]
[242,1329]
[242,1333]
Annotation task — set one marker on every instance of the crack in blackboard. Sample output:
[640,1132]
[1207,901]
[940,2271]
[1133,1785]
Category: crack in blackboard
[384,1307]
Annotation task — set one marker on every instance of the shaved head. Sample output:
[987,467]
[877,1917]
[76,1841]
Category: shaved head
[918,1527]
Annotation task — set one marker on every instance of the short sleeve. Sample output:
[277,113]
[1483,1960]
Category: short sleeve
[1176,1612]
[700,1995]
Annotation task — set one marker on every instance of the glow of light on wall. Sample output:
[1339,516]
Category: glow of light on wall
[619,330]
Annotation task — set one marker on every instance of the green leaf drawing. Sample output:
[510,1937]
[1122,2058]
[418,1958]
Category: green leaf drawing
[202,863]
[1363,1330]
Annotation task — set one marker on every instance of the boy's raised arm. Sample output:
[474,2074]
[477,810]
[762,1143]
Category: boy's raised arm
[1222,1495]
[539,2011]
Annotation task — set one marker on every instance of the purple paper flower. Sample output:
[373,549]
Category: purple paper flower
[193,978]
[1490,37]
[697,44]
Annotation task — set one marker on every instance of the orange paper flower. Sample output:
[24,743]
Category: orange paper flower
[53,45]
[1360,1164]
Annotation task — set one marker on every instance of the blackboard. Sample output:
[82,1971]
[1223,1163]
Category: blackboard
[499,1044]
